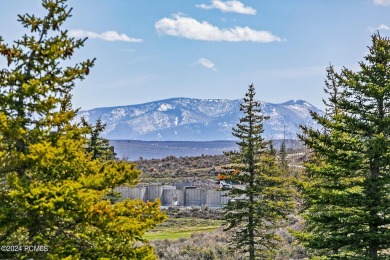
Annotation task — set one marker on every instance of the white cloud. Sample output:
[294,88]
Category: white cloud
[382,27]
[206,63]
[381,2]
[233,6]
[190,28]
[106,36]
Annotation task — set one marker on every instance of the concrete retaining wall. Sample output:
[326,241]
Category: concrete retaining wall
[131,193]
[153,192]
[194,197]
[213,198]
[173,196]
[170,196]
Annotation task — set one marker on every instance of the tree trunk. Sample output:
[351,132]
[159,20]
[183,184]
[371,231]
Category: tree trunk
[251,230]
[373,226]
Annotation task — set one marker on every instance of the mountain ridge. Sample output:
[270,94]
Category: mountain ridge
[191,119]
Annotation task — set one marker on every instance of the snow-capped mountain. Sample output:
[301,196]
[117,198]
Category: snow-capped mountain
[188,119]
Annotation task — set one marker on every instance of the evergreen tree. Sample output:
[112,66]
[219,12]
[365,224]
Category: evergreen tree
[272,148]
[283,156]
[332,90]
[255,210]
[99,147]
[54,193]
[346,195]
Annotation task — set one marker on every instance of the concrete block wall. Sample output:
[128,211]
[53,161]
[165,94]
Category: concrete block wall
[131,193]
[194,197]
[213,198]
[171,195]
[153,192]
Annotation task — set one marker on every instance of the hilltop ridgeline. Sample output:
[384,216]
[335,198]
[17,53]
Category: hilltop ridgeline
[196,119]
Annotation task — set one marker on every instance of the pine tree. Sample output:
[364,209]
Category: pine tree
[54,193]
[99,147]
[256,209]
[283,156]
[272,148]
[346,195]
[332,90]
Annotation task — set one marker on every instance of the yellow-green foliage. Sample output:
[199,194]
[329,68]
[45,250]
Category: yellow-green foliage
[55,192]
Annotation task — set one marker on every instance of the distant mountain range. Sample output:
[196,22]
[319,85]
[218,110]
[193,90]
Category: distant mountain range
[188,119]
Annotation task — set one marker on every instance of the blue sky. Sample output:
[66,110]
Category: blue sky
[150,50]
